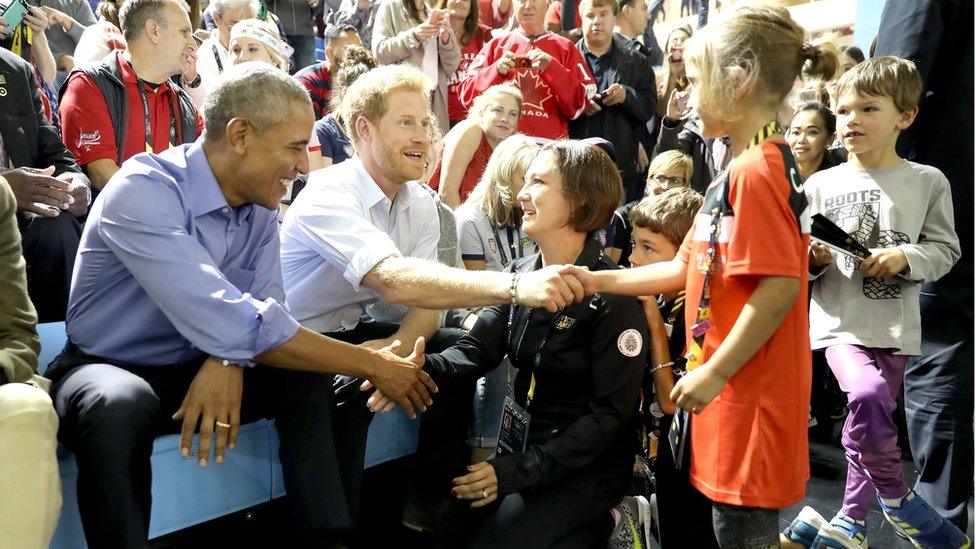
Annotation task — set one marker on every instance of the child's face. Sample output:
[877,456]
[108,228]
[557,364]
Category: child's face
[649,247]
[500,117]
[711,123]
[870,123]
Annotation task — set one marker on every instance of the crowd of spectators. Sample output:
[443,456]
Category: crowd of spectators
[483,212]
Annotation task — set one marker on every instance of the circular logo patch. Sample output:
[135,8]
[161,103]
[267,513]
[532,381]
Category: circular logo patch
[629,343]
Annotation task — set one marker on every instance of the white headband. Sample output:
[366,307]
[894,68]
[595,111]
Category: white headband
[264,37]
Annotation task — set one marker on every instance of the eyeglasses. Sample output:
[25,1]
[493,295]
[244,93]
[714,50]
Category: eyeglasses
[666,181]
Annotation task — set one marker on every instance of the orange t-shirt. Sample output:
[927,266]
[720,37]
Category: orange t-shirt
[749,446]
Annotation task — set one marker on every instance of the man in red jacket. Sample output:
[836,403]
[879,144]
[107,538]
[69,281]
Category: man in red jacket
[554,79]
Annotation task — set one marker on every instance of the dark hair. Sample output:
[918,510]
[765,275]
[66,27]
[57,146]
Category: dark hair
[591,182]
[333,33]
[108,11]
[134,14]
[670,213]
[853,52]
[829,120]
[357,62]
[470,22]
[417,15]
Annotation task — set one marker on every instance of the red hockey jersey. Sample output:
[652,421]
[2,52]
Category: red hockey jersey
[550,97]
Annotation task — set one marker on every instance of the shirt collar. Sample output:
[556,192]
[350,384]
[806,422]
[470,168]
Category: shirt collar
[588,53]
[372,193]
[204,191]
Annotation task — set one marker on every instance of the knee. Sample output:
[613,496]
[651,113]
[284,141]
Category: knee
[871,392]
[29,404]
[126,407]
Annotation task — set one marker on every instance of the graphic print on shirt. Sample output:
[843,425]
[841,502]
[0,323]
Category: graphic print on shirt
[535,92]
[857,212]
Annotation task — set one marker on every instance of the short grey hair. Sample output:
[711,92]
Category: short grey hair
[257,92]
[218,6]
[134,14]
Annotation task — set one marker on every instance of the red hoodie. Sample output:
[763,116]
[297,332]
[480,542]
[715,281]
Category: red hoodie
[551,97]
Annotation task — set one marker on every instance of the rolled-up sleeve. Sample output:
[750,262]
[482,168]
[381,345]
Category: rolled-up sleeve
[336,228]
[145,224]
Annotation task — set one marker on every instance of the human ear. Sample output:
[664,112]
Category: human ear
[907,118]
[741,82]
[238,133]
[364,129]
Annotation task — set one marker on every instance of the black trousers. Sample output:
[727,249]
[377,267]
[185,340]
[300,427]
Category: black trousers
[110,415]
[684,513]
[442,451]
[939,407]
[50,245]
[543,517]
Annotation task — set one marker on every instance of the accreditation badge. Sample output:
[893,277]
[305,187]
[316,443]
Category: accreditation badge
[513,433]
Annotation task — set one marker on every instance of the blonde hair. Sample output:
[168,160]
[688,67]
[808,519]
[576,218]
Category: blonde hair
[266,34]
[672,160]
[492,94]
[767,44]
[886,76]
[494,192]
[368,96]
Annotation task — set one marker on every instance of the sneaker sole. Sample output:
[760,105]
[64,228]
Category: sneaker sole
[644,509]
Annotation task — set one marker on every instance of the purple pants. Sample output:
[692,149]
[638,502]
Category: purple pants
[871,378]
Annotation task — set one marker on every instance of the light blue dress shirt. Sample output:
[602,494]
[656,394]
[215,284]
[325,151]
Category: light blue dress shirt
[167,271]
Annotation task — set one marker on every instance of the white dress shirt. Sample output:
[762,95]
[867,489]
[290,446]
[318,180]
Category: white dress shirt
[340,227]
[212,59]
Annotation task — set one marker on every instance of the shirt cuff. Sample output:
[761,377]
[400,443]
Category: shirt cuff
[363,262]
[275,328]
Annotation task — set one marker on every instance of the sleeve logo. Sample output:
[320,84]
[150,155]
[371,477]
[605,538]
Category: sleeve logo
[629,343]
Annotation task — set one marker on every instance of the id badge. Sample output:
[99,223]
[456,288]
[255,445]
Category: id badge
[513,433]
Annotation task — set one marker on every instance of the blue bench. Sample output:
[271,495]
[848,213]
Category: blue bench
[185,495]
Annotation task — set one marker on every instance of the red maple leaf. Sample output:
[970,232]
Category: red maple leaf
[535,92]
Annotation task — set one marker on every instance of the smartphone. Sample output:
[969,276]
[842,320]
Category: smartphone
[677,55]
[599,97]
[14,13]
[523,63]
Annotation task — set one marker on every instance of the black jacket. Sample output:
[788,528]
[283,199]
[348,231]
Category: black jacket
[584,427]
[623,124]
[686,137]
[28,138]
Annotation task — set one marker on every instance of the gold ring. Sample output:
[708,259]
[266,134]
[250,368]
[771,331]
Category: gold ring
[484,494]
[222,425]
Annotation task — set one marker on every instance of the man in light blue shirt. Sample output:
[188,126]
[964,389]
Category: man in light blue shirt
[177,294]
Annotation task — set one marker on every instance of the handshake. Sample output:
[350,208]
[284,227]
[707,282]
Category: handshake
[403,381]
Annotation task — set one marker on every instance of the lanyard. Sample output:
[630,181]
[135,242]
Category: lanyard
[147,118]
[511,244]
[708,264]
[537,359]
[216,52]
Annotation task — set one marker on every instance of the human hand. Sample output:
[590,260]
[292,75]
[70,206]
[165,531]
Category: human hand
[425,31]
[363,4]
[480,484]
[615,94]
[642,161]
[401,380]
[65,62]
[540,59]
[4,29]
[214,399]
[592,107]
[36,19]
[549,288]
[583,275]
[80,191]
[38,192]
[313,3]
[677,105]
[884,263]
[821,255]
[378,402]
[189,66]
[505,63]
[696,389]
[59,18]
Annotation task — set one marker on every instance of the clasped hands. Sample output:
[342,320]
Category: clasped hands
[39,192]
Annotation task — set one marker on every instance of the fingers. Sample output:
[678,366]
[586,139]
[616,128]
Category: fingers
[206,433]
[418,397]
[475,490]
[366,386]
[235,428]
[222,428]
[428,382]
[485,501]
[407,406]
[576,287]
[417,356]
[393,347]
[189,418]
[42,209]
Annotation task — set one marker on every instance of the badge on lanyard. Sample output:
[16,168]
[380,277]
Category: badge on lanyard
[513,433]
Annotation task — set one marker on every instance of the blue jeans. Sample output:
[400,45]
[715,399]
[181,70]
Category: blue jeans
[304,52]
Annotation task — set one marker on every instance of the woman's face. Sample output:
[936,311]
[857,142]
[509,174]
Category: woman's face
[808,137]
[846,63]
[500,117]
[458,9]
[544,206]
[663,180]
[244,49]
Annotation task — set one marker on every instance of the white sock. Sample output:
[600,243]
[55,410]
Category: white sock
[895,503]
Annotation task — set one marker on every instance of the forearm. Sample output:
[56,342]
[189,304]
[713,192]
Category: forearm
[660,354]
[418,323]
[418,283]
[309,351]
[658,278]
[100,171]
[46,64]
[769,304]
